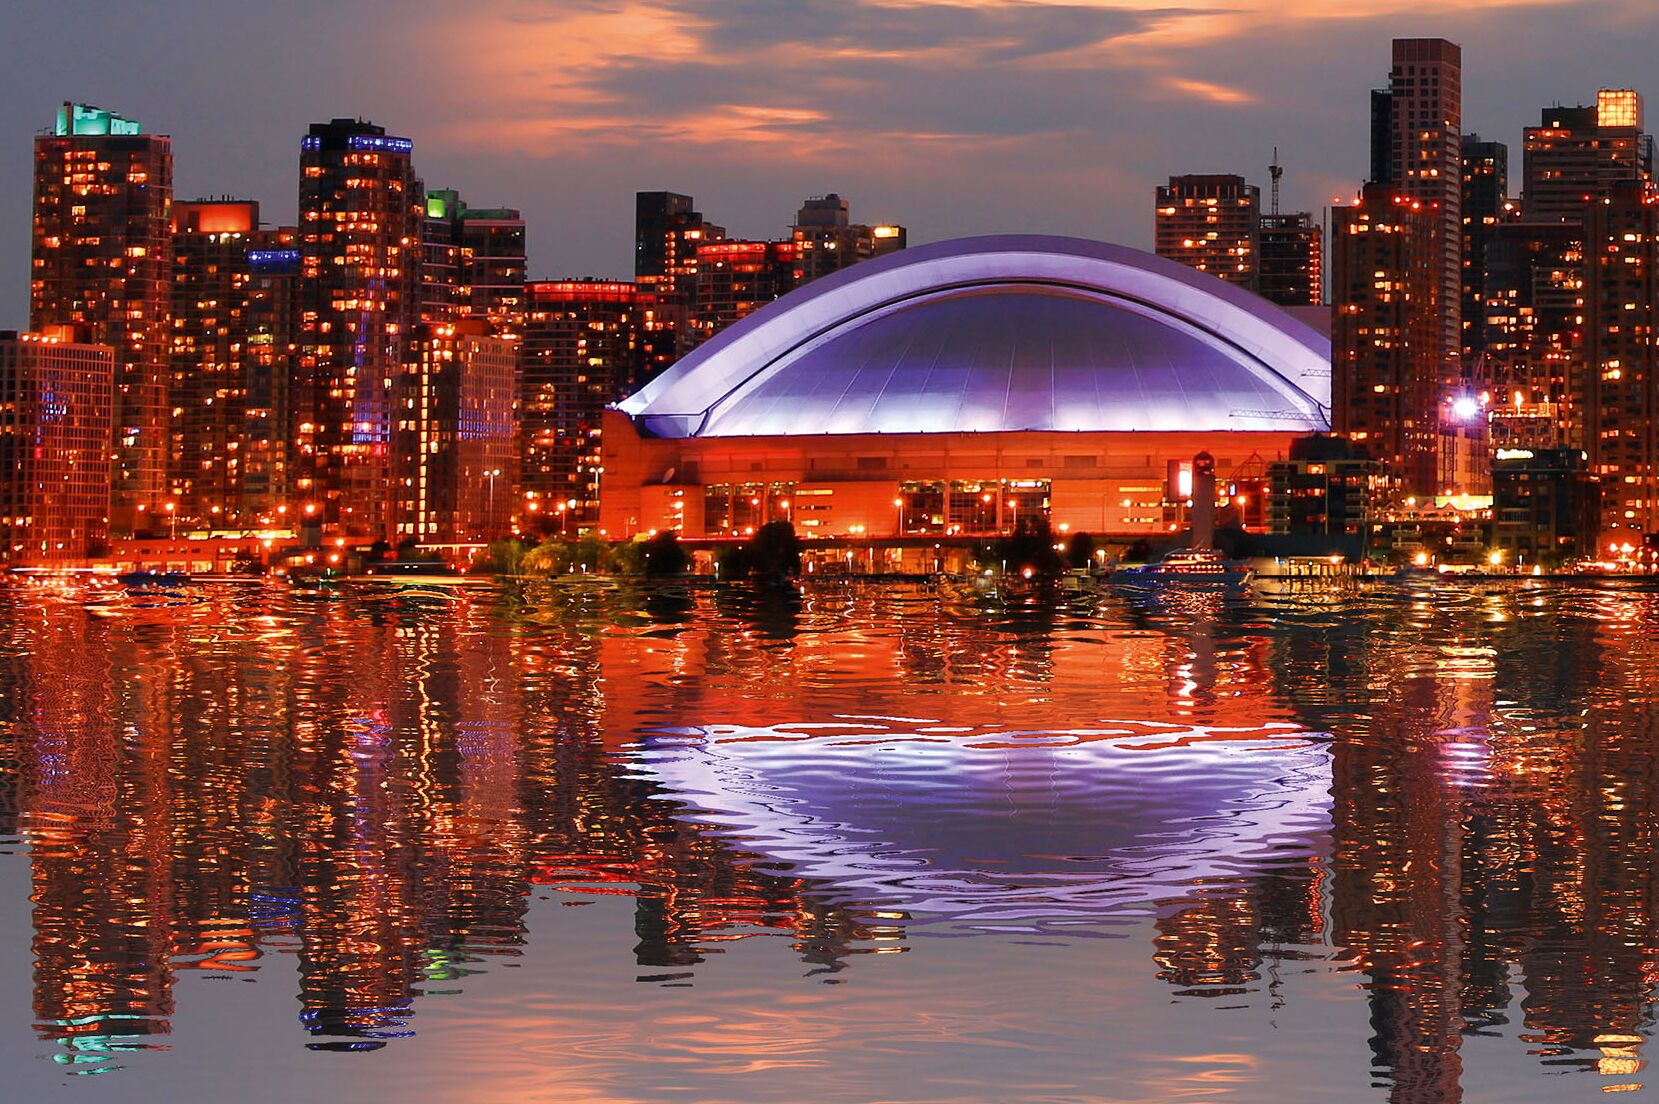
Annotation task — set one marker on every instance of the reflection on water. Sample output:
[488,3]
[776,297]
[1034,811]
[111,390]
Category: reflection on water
[1435,805]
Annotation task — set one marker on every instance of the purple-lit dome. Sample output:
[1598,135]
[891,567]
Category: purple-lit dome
[1000,334]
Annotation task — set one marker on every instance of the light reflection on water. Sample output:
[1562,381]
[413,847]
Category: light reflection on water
[617,843]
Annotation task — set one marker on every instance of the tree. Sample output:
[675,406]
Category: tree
[1080,550]
[663,555]
[1030,547]
[773,550]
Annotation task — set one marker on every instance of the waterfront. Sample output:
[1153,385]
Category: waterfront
[860,843]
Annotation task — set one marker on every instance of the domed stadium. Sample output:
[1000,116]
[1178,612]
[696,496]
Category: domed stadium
[952,388]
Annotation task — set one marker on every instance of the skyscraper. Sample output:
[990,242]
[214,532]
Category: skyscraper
[456,435]
[736,278]
[493,239]
[1291,260]
[1211,222]
[103,192]
[1621,307]
[667,232]
[587,343]
[1385,289]
[361,216]
[231,364]
[1485,203]
[445,296]
[1576,155]
[474,262]
[827,240]
[55,402]
[1416,148]
[1533,333]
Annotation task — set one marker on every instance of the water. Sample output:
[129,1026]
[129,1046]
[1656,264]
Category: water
[608,843]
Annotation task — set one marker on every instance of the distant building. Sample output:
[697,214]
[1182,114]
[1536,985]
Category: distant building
[1485,204]
[1621,369]
[456,436]
[1385,291]
[1416,148]
[1324,488]
[103,193]
[826,239]
[361,220]
[667,233]
[1211,222]
[475,260]
[234,288]
[494,240]
[736,278]
[55,401]
[1545,505]
[1291,260]
[587,343]
[444,293]
[1534,320]
[1580,154]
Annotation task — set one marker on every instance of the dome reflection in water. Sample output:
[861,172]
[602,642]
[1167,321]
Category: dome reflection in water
[614,842]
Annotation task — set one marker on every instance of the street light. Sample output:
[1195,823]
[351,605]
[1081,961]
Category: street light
[489,509]
[172,520]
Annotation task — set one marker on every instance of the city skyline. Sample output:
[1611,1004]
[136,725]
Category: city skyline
[1102,101]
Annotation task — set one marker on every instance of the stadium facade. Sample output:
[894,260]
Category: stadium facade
[950,390]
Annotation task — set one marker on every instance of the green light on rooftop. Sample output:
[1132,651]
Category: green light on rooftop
[436,207]
[74,119]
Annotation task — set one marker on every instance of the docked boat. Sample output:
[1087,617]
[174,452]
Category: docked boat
[1186,567]
[153,580]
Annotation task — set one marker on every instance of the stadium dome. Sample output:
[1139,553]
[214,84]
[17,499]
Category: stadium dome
[1000,334]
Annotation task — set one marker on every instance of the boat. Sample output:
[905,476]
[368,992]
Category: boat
[156,580]
[1185,567]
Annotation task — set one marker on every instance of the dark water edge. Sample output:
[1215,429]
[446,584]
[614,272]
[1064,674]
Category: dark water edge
[616,842]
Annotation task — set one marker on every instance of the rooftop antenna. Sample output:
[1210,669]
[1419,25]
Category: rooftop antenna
[1276,172]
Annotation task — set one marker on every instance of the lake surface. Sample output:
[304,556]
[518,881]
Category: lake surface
[862,843]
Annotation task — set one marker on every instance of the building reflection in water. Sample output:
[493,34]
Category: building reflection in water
[1448,796]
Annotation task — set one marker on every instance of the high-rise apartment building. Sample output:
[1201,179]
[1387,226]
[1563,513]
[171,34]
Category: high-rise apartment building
[1621,306]
[1291,260]
[1577,155]
[1484,205]
[1533,284]
[736,278]
[56,396]
[271,298]
[668,231]
[493,239]
[456,435]
[232,359]
[587,343]
[1416,148]
[1211,222]
[826,240]
[444,295]
[1385,295]
[474,262]
[103,192]
[361,218]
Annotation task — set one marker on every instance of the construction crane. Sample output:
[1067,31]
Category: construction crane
[1276,173]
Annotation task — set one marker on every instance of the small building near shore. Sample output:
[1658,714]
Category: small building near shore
[951,390]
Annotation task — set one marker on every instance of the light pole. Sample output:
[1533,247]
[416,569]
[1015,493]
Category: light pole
[489,509]
[172,521]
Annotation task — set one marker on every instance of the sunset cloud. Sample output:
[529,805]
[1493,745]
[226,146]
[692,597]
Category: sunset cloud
[953,116]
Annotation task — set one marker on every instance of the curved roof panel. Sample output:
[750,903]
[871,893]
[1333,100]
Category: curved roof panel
[1000,334]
